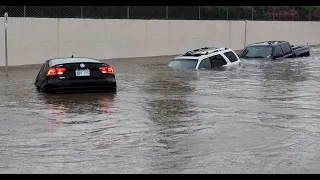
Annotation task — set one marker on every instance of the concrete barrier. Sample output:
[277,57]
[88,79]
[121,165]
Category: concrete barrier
[34,40]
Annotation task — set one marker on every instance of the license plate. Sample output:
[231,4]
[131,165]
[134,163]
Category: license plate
[82,72]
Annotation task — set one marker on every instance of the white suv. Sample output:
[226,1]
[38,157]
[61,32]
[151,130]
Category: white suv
[206,58]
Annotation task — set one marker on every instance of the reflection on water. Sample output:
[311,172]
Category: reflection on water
[279,81]
[170,111]
[289,70]
[281,78]
[65,106]
[168,95]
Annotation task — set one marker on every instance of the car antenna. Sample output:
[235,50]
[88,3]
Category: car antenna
[72,56]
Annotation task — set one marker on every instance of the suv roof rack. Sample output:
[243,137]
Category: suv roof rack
[204,51]
[268,42]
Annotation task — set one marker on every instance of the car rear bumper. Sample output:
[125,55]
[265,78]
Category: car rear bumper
[79,85]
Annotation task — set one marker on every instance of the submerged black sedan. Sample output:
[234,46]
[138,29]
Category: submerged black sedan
[75,74]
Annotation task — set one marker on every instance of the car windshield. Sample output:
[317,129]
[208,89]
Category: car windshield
[54,62]
[183,63]
[256,52]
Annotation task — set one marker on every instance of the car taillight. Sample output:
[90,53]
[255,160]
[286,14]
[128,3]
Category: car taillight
[106,69]
[55,71]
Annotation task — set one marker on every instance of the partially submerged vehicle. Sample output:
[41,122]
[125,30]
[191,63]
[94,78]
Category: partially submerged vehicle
[75,74]
[206,58]
[274,50]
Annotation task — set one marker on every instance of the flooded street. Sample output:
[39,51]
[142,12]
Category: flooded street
[263,117]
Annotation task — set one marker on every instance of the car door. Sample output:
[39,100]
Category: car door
[41,75]
[278,52]
[205,64]
[287,51]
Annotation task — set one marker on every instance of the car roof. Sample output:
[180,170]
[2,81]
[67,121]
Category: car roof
[267,43]
[65,60]
[198,53]
[187,57]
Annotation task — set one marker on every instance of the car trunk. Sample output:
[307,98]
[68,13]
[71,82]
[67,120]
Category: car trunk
[74,71]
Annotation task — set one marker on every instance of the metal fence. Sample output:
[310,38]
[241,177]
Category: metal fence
[267,13]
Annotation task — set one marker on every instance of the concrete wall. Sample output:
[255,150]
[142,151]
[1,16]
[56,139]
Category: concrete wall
[34,40]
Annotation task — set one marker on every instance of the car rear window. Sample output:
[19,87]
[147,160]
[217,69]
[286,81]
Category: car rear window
[183,63]
[54,62]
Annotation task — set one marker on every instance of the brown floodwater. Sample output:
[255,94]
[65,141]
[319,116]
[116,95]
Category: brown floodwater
[261,117]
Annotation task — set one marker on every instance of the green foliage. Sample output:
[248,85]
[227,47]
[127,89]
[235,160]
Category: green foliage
[257,12]
[258,8]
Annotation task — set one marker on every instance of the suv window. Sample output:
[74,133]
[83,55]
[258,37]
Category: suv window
[231,56]
[205,63]
[286,48]
[217,61]
[277,50]
[183,63]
